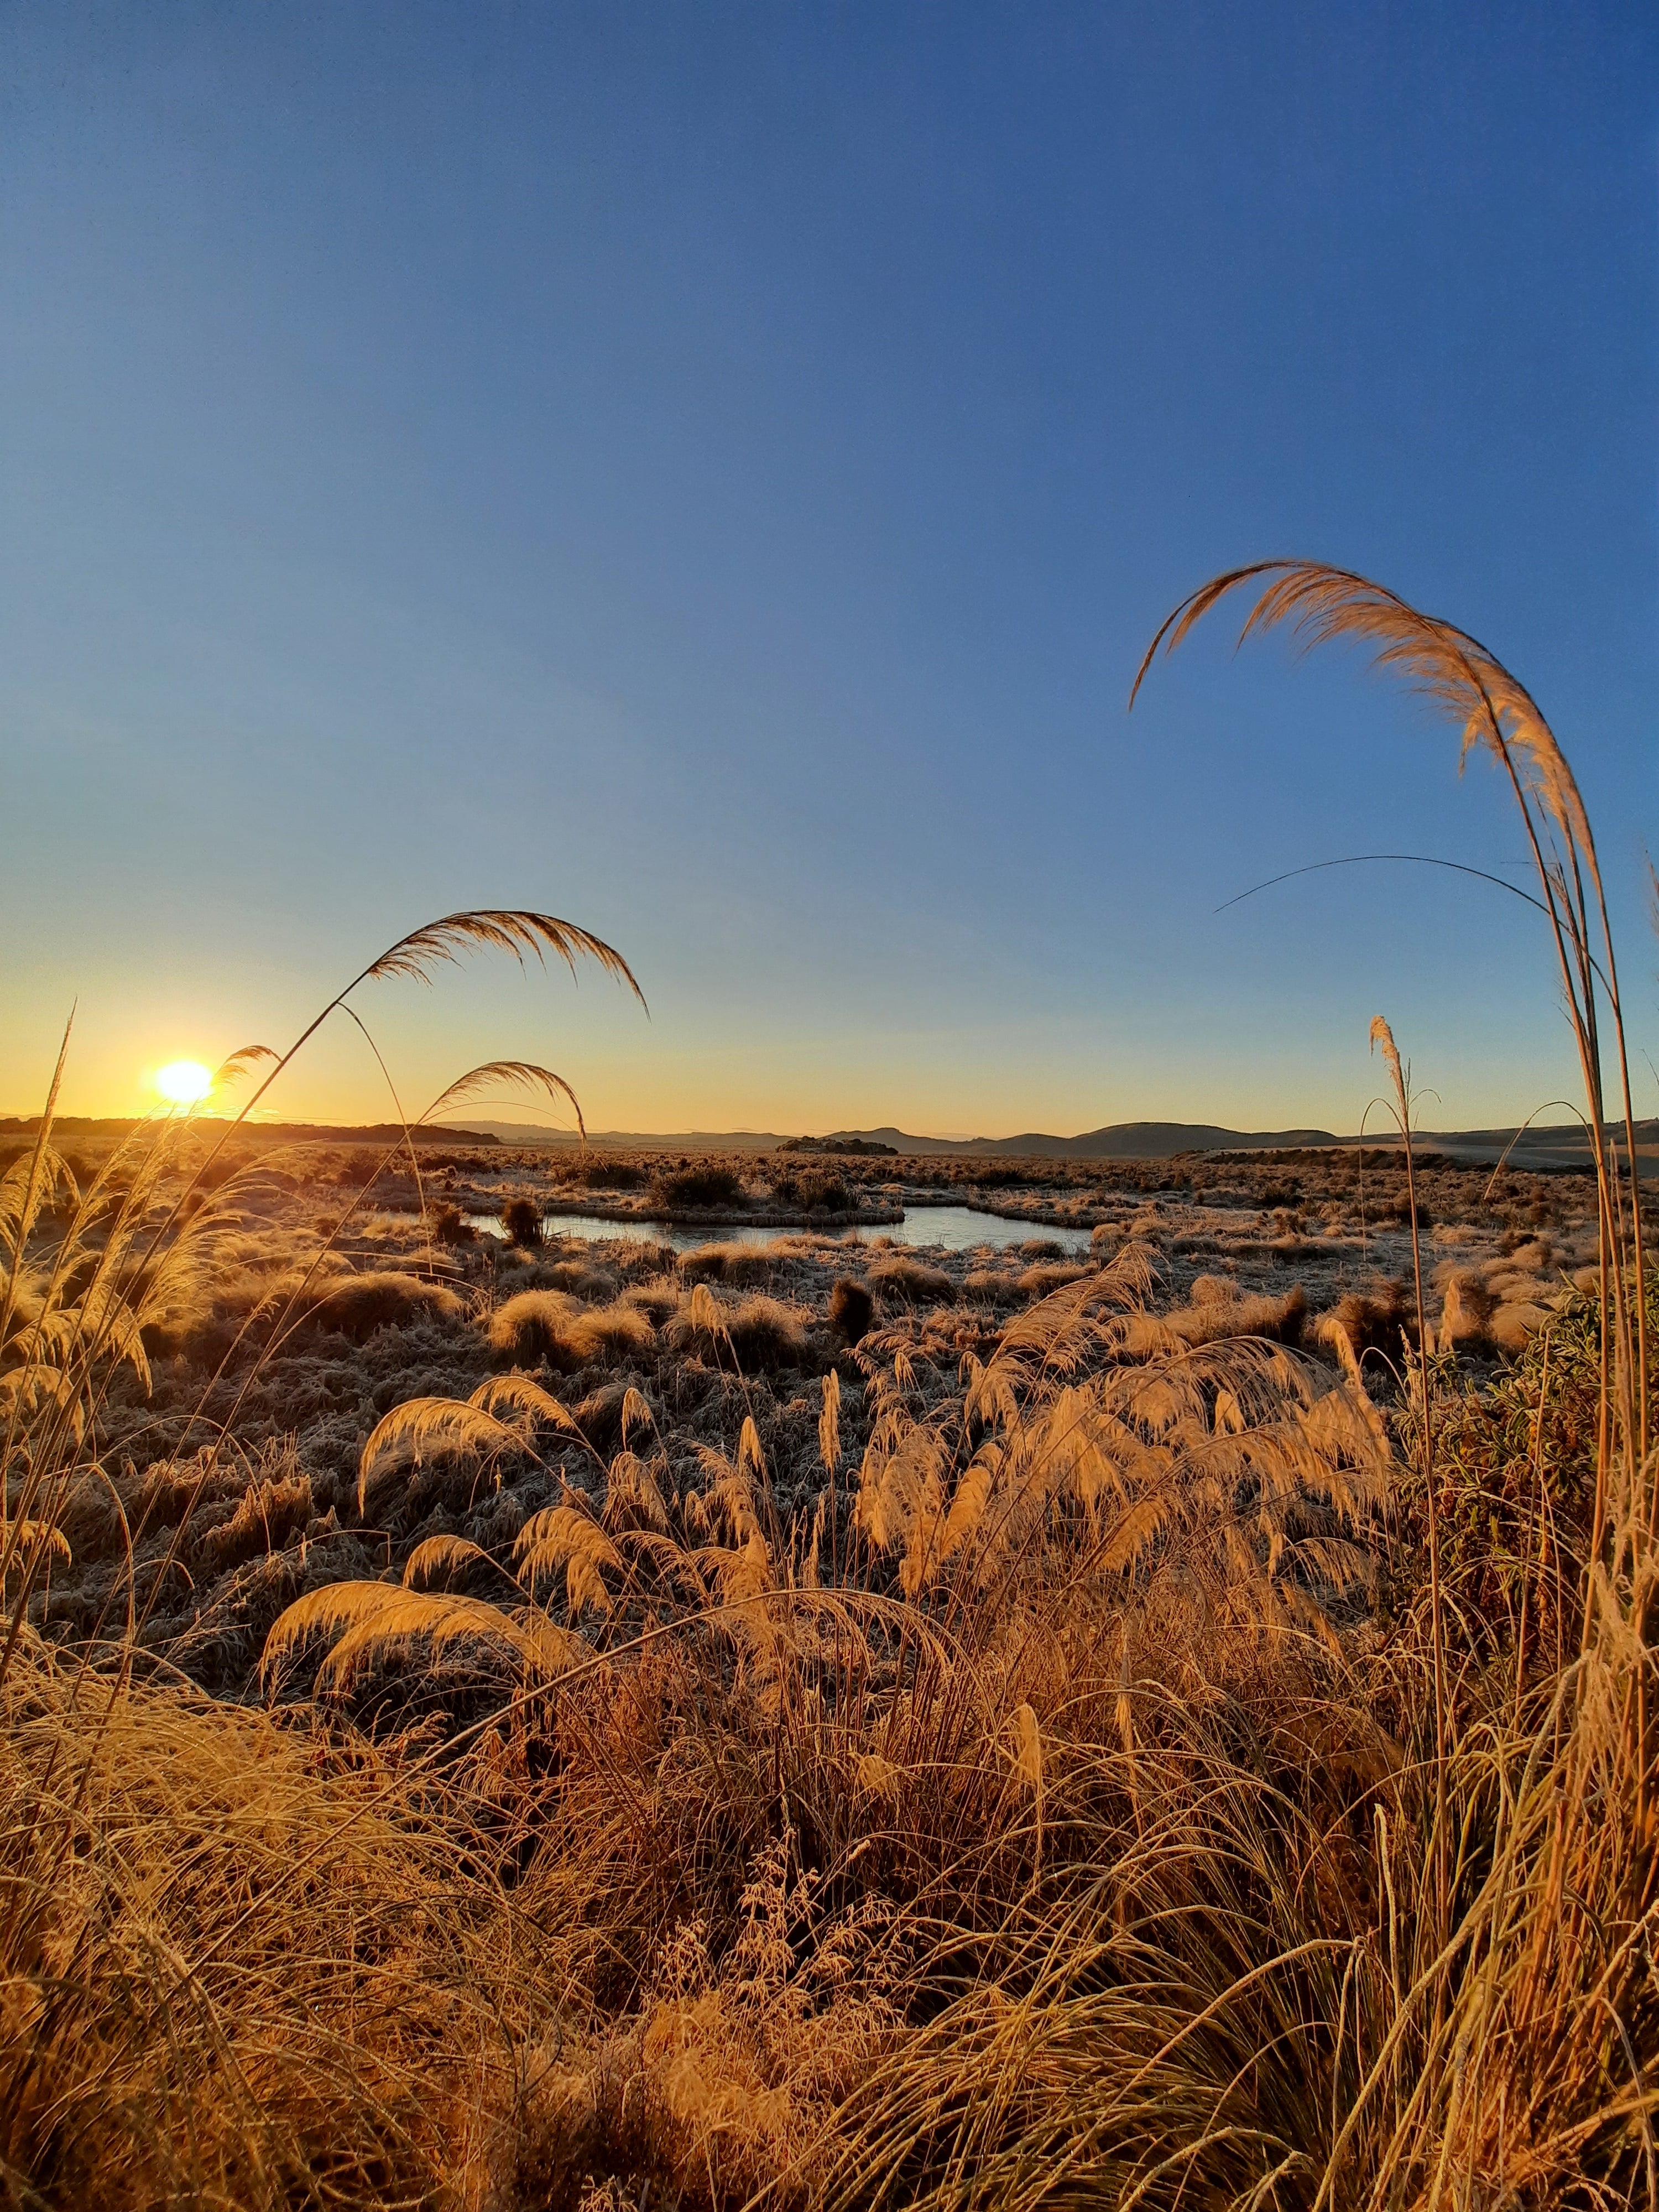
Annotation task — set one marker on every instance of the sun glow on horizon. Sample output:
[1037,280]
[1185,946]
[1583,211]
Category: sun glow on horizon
[184,1082]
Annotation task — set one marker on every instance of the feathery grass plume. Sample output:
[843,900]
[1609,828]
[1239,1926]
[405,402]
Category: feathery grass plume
[240,1063]
[829,1424]
[439,1428]
[371,1621]
[442,1555]
[524,934]
[1494,711]
[568,1536]
[636,1413]
[632,1495]
[510,1074]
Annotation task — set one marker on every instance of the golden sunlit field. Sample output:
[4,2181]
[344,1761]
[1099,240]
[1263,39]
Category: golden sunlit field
[1155,1710]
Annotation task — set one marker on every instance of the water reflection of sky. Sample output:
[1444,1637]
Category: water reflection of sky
[951,1228]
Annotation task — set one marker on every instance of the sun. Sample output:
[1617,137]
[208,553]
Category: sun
[184,1082]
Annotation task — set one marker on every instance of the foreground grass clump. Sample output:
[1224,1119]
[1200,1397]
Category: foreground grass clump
[236,1972]
[1196,1757]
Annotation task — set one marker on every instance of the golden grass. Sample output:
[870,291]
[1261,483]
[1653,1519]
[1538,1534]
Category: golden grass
[1151,1771]
[552,1326]
[748,1332]
[236,1975]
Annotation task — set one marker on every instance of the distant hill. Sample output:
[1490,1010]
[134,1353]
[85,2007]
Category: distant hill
[1123,1140]
[1564,1145]
[1561,1147]
[633,1140]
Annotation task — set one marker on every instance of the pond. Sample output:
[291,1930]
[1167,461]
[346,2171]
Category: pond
[950,1228]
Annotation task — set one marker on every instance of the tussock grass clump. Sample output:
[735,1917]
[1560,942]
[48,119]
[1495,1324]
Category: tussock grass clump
[607,1333]
[757,1333]
[550,1325]
[236,1975]
[355,1306]
[1371,1324]
[581,1278]
[706,1183]
[901,1281]
[1036,1282]
[1210,1319]
[657,1298]
[729,1263]
[530,1326]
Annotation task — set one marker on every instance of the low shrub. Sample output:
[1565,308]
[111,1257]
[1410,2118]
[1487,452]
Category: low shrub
[816,1190]
[608,1174]
[852,1309]
[521,1217]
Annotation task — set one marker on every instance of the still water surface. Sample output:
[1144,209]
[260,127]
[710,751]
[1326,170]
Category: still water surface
[951,1228]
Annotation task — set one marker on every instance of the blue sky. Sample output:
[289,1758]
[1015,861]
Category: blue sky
[711,472]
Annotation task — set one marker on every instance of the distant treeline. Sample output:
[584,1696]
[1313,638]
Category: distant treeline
[282,1133]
